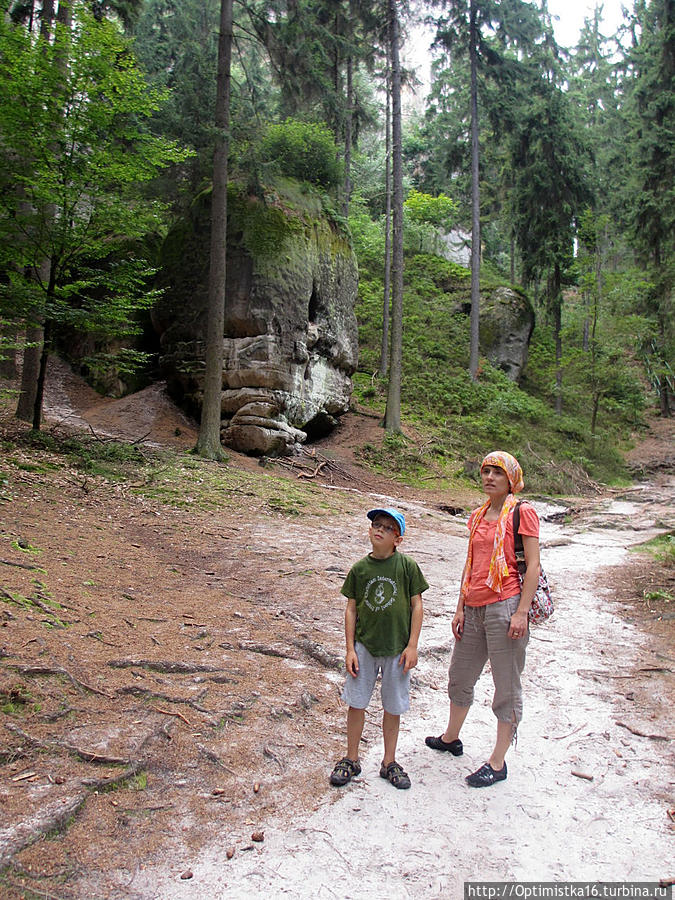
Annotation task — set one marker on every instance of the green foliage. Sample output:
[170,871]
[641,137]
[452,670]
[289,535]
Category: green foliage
[440,211]
[662,548]
[463,419]
[73,155]
[367,237]
[302,150]
[110,459]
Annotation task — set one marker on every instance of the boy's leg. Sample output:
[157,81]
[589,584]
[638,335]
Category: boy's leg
[390,727]
[355,721]
[395,700]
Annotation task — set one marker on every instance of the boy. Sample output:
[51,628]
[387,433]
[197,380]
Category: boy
[383,620]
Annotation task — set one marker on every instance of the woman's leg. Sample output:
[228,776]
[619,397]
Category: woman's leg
[469,656]
[505,732]
[507,660]
[457,716]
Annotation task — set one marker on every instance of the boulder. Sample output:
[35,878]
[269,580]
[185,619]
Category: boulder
[290,339]
[506,324]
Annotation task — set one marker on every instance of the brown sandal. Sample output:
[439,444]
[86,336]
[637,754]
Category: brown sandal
[395,775]
[344,771]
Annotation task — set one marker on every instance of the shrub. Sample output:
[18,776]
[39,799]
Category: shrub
[302,150]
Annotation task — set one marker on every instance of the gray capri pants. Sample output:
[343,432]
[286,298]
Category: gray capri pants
[485,636]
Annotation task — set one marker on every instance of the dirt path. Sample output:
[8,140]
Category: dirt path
[194,655]
[589,682]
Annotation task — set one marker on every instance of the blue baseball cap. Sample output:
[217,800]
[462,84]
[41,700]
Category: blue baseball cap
[393,514]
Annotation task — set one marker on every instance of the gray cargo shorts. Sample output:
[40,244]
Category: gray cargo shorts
[395,684]
[485,636]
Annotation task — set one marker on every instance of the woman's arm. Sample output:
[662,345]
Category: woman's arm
[458,618]
[518,626]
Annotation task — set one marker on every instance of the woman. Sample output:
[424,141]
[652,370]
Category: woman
[491,618]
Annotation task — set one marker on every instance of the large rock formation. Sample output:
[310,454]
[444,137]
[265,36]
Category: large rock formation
[290,341]
[506,324]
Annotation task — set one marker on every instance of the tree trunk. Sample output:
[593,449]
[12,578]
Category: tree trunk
[208,442]
[512,257]
[392,418]
[29,374]
[386,300]
[475,202]
[32,353]
[557,329]
[348,140]
[42,377]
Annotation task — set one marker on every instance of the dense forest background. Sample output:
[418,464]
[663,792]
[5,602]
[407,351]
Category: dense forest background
[558,160]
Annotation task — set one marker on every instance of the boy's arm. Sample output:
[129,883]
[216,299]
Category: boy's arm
[351,659]
[409,656]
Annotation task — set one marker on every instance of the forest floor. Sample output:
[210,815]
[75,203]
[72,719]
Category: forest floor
[170,671]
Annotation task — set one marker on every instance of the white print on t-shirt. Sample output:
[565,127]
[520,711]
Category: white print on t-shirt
[382,596]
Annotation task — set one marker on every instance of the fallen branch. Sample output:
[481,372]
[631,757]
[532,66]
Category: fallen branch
[653,737]
[569,733]
[178,715]
[312,474]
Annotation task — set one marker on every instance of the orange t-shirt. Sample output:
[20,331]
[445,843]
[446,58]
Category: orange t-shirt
[477,592]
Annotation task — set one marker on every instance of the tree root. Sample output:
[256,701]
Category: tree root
[59,670]
[320,654]
[154,695]
[86,755]
[19,565]
[166,666]
[52,817]
[653,737]
[265,649]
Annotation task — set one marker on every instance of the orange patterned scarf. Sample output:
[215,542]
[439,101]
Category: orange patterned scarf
[498,566]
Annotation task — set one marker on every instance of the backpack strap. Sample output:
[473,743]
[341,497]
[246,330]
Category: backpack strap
[518,540]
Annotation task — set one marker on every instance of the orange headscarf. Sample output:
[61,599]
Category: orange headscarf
[498,567]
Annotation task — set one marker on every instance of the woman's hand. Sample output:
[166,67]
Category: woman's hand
[458,624]
[518,626]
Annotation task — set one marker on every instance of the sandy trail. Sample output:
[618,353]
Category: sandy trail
[542,824]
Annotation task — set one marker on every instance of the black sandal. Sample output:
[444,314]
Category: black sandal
[344,771]
[395,775]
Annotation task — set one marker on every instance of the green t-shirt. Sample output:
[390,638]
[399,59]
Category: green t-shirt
[382,589]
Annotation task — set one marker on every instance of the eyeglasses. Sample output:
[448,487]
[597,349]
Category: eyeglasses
[383,526]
